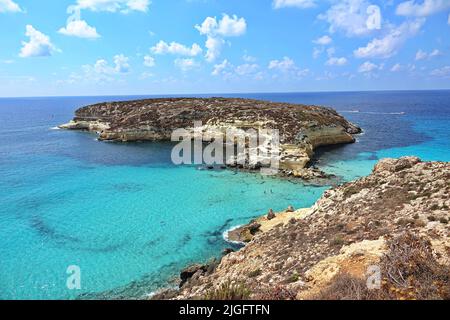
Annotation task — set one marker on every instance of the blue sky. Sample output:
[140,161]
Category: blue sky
[102,47]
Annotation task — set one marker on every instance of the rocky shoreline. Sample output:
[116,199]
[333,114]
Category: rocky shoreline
[301,128]
[395,220]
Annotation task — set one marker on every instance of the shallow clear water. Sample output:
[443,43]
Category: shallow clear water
[131,220]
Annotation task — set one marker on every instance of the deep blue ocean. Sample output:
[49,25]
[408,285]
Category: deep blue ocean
[131,220]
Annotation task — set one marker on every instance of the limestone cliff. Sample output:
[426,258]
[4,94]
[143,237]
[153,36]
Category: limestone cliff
[395,219]
[302,128]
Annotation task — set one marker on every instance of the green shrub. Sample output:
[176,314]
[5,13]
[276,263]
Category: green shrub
[337,241]
[229,291]
[294,277]
[254,273]
[434,207]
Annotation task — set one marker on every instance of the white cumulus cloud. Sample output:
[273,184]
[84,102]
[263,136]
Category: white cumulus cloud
[396,67]
[422,55]
[248,58]
[102,71]
[325,40]
[39,44]
[80,29]
[303,4]
[407,67]
[368,67]
[229,71]
[76,27]
[176,48]
[286,64]
[123,6]
[353,17]
[221,67]
[246,69]
[9,6]
[422,8]
[389,45]
[288,67]
[231,26]
[214,48]
[317,52]
[149,61]
[226,27]
[101,67]
[186,64]
[216,30]
[121,62]
[443,72]
[333,61]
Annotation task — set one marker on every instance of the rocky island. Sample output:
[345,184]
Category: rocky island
[301,128]
[395,222]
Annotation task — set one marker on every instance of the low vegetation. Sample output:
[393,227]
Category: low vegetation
[409,272]
[228,291]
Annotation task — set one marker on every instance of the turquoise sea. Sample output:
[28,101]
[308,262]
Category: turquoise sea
[131,220]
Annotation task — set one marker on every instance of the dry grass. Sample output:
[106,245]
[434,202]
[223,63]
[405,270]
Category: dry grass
[409,272]
[277,293]
[229,291]
[347,287]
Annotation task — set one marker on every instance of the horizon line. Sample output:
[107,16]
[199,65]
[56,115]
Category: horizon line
[217,94]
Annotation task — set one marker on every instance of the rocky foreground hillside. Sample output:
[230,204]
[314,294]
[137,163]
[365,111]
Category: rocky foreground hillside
[396,219]
[302,128]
